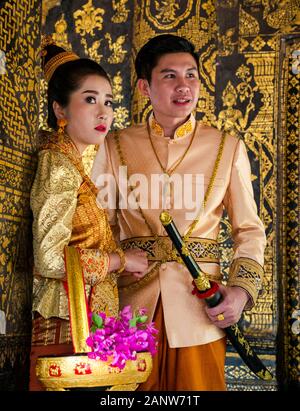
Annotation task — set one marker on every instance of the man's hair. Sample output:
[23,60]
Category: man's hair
[148,56]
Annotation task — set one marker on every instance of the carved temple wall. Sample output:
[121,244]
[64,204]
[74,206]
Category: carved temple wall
[250,85]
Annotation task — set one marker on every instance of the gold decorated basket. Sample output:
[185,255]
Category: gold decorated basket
[79,371]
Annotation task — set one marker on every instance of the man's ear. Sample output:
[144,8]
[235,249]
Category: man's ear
[143,87]
[58,110]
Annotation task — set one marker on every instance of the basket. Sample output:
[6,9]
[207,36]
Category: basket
[80,372]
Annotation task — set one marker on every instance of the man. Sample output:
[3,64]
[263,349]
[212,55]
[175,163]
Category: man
[174,146]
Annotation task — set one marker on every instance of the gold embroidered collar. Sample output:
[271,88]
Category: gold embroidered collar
[182,131]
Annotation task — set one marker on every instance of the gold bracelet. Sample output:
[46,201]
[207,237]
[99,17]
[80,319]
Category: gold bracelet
[121,254]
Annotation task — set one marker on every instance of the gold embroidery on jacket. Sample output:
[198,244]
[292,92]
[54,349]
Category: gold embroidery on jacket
[246,273]
[64,201]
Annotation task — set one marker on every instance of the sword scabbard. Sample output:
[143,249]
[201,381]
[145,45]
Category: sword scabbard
[209,291]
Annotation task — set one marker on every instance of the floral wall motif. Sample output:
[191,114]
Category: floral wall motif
[239,47]
[102,31]
[19,89]
[248,80]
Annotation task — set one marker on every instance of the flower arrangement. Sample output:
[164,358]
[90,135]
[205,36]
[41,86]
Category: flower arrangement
[120,339]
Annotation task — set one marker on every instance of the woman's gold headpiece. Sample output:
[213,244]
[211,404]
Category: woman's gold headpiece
[57,60]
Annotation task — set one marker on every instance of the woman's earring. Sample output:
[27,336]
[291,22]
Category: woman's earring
[62,122]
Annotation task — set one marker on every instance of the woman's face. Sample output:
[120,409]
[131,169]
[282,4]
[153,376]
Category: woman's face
[89,113]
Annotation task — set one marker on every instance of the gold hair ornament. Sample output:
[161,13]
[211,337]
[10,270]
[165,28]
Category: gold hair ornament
[58,60]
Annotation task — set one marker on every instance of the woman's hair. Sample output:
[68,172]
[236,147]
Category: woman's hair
[67,78]
[148,56]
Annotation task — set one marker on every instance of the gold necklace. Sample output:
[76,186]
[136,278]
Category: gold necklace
[179,161]
[193,225]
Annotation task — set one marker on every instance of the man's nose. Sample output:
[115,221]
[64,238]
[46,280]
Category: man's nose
[182,87]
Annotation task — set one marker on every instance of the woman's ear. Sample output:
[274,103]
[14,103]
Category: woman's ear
[58,110]
[143,87]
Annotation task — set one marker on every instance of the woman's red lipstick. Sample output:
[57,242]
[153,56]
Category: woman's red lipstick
[101,128]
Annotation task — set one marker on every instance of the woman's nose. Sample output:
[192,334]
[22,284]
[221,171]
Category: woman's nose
[102,115]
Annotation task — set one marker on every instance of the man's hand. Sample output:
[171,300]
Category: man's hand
[231,307]
[136,263]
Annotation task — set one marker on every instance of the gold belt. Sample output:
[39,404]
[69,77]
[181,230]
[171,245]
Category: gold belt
[203,250]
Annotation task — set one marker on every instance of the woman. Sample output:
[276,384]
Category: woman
[70,229]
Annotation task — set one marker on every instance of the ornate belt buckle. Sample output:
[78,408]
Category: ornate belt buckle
[163,249]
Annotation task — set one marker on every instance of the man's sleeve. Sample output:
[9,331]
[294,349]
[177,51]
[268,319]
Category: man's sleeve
[248,232]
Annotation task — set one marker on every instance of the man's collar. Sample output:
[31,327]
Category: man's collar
[184,130]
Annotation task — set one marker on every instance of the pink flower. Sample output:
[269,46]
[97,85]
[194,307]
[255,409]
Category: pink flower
[121,338]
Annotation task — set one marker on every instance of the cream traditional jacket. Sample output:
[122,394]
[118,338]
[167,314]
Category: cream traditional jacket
[185,319]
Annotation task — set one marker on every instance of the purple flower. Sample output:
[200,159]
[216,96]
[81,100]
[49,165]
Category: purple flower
[121,338]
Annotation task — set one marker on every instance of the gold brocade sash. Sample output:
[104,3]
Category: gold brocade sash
[204,250]
[77,300]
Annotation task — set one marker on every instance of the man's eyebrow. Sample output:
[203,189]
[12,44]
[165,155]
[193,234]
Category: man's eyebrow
[168,70]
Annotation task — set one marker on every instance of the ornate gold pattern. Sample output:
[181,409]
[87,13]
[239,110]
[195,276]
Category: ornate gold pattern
[155,127]
[94,51]
[47,5]
[172,169]
[167,14]
[117,87]
[289,109]
[116,47]
[182,131]
[121,117]
[79,222]
[60,36]
[259,54]
[226,43]
[95,265]
[121,12]
[61,373]
[231,119]
[58,60]
[88,19]
[166,10]
[249,25]
[247,274]
[280,13]
[202,281]
[160,248]
[19,45]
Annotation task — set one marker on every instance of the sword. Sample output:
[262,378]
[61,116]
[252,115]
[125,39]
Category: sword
[209,291]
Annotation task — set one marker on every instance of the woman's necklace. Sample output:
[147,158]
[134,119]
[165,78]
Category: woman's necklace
[179,161]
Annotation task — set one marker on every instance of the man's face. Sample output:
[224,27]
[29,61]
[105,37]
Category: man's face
[174,88]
